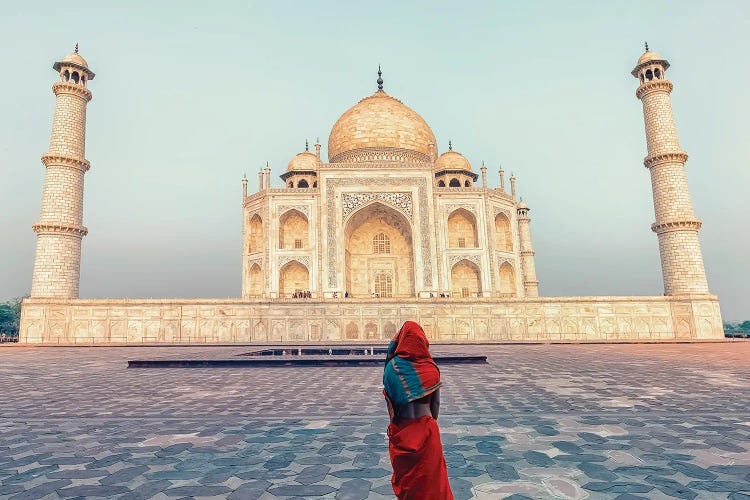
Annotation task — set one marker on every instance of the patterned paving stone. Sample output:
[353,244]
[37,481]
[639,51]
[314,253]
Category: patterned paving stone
[355,489]
[616,421]
[92,490]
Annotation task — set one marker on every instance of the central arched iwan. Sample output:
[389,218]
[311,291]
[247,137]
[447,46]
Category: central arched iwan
[378,242]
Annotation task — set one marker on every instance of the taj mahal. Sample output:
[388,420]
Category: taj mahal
[387,227]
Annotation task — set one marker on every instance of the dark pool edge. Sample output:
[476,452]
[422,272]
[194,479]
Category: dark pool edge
[285,361]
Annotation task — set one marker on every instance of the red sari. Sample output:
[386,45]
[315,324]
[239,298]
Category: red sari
[419,469]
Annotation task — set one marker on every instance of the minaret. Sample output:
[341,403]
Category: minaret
[317,149]
[528,267]
[676,226]
[267,176]
[60,228]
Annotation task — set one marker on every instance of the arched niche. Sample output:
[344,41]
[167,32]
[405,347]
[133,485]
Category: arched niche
[462,229]
[507,280]
[371,331]
[352,331]
[293,230]
[454,183]
[293,277]
[255,226]
[256,281]
[503,235]
[465,279]
[303,184]
[378,241]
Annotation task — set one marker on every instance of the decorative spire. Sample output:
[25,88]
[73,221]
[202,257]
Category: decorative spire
[380,79]
[76,48]
[307,146]
[646,44]
[450,145]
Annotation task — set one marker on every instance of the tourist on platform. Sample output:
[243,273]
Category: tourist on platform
[411,382]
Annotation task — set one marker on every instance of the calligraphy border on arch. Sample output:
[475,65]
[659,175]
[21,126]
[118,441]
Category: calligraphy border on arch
[424,222]
[455,259]
[282,209]
[302,259]
[503,211]
[351,202]
[472,209]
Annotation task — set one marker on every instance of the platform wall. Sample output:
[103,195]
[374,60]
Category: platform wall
[54,321]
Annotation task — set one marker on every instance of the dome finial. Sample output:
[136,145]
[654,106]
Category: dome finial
[76,48]
[646,44]
[380,79]
[307,146]
[450,145]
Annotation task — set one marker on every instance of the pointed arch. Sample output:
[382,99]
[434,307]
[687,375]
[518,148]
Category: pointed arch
[462,229]
[390,329]
[256,281]
[507,280]
[454,183]
[378,241]
[255,243]
[293,277]
[465,279]
[441,183]
[293,230]
[352,331]
[371,331]
[503,235]
[303,184]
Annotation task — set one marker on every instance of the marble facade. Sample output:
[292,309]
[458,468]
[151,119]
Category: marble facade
[386,230]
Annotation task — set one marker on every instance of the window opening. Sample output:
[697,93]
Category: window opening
[383,285]
[381,243]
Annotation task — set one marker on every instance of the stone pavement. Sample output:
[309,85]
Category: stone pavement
[540,421]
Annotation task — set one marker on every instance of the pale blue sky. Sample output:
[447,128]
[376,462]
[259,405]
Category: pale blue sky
[189,96]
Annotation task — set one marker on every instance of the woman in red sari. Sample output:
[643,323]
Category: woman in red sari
[411,381]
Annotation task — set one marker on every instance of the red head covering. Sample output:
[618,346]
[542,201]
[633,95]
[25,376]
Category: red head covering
[411,343]
[410,372]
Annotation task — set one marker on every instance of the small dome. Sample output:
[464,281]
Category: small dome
[452,160]
[649,56]
[304,161]
[75,58]
[522,206]
[380,122]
